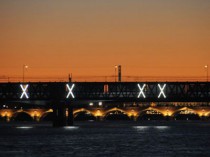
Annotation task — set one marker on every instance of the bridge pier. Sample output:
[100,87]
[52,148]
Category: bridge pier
[99,118]
[59,114]
[7,118]
[62,114]
[70,118]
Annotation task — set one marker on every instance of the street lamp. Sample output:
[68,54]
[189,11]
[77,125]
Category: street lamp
[24,67]
[207,72]
[115,70]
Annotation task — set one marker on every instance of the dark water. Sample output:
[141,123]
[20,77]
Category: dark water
[106,139]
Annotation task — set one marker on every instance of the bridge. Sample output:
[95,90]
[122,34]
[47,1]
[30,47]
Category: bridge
[64,99]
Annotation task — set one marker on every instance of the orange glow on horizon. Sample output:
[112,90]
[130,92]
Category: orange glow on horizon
[157,40]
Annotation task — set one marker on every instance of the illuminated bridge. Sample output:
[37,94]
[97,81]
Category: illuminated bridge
[66,99]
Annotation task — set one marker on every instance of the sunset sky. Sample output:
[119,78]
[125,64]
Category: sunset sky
[89,37]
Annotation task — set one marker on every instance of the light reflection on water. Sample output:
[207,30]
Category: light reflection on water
[150,127]
[106,139]
[141,127]
[24,127]
[70,127]
[162,127]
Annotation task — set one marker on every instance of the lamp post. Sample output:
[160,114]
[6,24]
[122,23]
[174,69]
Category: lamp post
[24,67]
[115,70]
[207,72]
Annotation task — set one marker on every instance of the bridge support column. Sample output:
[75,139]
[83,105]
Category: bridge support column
[8,119]
[63,114]
[168,118]
[99,118]
[59,114]
[70,118]
[203,118]
[135,118]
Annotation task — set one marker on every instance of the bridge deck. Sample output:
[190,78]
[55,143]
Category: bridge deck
[107,91]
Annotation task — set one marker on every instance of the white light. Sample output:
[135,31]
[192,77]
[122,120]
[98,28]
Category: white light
[100,103]
[4,105]
[161,127]
[24,127]
[141,127]
[24,89]
[141,92]
[91,104]
[206,66]
[70,127]
[162,90]
[70,91]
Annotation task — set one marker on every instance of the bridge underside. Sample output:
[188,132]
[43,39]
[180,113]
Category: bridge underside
[64,113]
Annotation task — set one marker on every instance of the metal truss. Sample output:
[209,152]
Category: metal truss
[107,91]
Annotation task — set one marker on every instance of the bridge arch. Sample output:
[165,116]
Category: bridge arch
[83,115]
[116,114]
[21,115]
[151,114]
[208,115]
[5,115]
[186,113]
[47,116]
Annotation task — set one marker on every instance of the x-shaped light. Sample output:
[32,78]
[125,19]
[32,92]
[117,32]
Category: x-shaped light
[24,89]
[70,91]
[162,90]
[141,92]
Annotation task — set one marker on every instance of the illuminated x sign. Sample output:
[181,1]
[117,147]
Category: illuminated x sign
[162,91]
[70,91]
[141,92]
[24,89]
